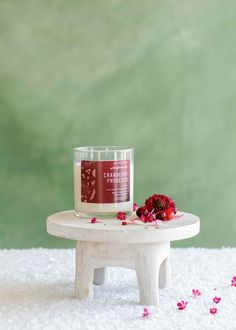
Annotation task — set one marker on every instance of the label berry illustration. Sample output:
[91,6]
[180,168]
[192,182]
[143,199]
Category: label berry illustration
[105,181]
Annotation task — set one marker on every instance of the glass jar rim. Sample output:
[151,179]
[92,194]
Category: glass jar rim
[104,149]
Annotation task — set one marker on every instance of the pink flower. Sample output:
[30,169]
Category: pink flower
[216,300]
[196,293]
[233,281]
[135,207]
[121,215]
[124,223]
[213,310]
[93,220]
[146,312]
[182,305]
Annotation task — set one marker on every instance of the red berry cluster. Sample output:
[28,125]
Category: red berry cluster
[161,207]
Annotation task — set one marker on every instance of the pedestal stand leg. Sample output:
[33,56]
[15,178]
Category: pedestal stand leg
[100,275]
[149,258]
[83,271]
[165,274]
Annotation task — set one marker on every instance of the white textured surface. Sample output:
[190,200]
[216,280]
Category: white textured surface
[37,292]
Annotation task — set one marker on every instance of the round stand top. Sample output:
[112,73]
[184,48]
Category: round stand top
[67,225]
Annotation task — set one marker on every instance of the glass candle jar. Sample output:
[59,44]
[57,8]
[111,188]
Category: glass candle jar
[103,180]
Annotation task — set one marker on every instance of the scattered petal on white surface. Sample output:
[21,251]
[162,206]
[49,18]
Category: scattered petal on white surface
[37,292]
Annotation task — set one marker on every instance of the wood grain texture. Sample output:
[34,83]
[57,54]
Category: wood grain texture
[149,260]
[142,247]
[68,225]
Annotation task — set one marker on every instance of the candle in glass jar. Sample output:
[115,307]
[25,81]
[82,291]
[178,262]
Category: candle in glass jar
[103,180]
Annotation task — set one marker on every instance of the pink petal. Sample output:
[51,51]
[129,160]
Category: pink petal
[146,312]
[182,305]
[213,310]
[216,300]
[196,293]
[121,215]
[233,281]
[93,220]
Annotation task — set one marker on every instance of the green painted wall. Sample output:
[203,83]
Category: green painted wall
[156,75]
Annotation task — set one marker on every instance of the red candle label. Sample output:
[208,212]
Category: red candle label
[105,181]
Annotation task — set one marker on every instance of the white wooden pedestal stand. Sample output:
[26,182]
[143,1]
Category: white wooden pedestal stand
[142,247]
